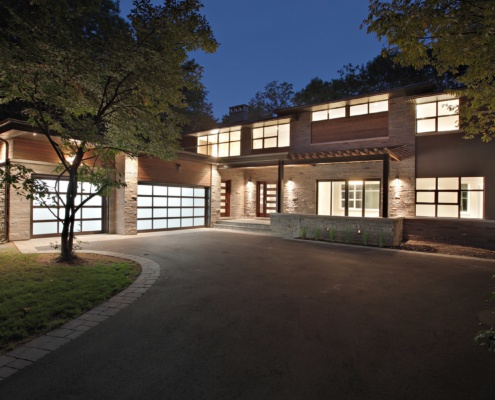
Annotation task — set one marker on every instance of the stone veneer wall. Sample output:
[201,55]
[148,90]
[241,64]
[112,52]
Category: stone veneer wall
[3,211]
[125,211]
[366,231]
[216,181]
[251,176]
[237,190]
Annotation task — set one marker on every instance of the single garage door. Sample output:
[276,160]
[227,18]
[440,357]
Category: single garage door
[170,207]
[89,219]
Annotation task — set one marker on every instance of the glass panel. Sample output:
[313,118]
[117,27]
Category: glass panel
[379,106]
[475,183]
[324,198]
[449,107]
[199,221]
[160,224]
[258,144]
[448,183]
[213,139]
[427,110]
[359,109]
[91,213]
[450,123]
[284,135]
[271,131]
[271,142]
[199,212]
[235,136]
[336,113]
[472,205]
[44,228]
[223,150]
[174,202]
[425,210]
[448,211]
[160,202]
[213,150]
[319,115]
[425,125]
[159,213]
[447,197]
[160,190]
[223,137]
[144,224]
[425,197]
[187,192]
[426,184]
[88,226]
[174,191]
[187,202]
[187,212]
[257,133]
[144,201]
[338,197]
[199,202]
[203,150]
[372,203]
[235,149]
[44,213]
[62,186]
[144,212]
[145,190]
[203,141]
[199,192]
[174,212]
[174,223]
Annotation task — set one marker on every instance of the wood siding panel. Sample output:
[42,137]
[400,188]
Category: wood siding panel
[35,150]
[360,127]
[158,171]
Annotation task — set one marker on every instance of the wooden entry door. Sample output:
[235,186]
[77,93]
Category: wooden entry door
[225,199]
[266,200]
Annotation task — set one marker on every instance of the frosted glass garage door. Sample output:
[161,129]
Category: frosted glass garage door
[89,219]
[170,207]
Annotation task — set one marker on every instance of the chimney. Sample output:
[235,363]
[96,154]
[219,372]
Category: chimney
[238,113]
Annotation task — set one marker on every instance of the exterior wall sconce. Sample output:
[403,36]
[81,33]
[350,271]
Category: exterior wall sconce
[178,167]
[397,183]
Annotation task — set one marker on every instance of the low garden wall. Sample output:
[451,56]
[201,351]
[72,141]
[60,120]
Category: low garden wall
[384,232]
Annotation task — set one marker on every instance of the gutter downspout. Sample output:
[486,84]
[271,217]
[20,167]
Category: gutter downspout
[7,191]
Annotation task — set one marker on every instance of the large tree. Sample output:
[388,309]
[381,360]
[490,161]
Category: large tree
[456,36]
[274,96]
[95,84]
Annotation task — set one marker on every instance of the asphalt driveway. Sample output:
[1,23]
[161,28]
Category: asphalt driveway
[243,316]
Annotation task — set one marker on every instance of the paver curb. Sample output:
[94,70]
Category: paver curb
[25,355]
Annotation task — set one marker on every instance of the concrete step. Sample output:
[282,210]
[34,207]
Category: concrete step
[243,226]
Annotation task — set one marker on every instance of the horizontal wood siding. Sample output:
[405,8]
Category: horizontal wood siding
[360,127]
[158,171]
[34,150]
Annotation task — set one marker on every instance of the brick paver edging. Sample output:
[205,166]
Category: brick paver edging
[25,355]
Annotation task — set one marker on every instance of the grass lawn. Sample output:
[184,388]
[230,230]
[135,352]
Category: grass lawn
[38,295]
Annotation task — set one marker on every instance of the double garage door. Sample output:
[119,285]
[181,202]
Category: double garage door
[170,207]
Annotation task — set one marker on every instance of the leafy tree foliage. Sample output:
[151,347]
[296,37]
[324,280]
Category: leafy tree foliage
[264,103]
[380,74]
[96,85]
[456,36]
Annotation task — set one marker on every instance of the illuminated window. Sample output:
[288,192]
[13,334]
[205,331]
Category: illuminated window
[223,143]
[450,197]
[349,198]
[438,116]
[354,110]
[271,136]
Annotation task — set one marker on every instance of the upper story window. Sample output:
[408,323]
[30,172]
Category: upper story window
[223,143]
[271,136]
[354,110]
[438,116]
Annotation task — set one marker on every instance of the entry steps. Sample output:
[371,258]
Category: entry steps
[248,225]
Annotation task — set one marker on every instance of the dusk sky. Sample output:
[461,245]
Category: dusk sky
[278,40]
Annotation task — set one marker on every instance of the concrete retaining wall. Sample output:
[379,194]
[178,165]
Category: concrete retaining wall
[367,231]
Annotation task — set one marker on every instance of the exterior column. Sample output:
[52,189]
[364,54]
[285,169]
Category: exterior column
[123,219]
[280,187]
[386,174]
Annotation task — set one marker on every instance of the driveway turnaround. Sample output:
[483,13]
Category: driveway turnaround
[246,316]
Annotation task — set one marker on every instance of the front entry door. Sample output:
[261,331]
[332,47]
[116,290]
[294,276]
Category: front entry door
[266,202]
[225,199]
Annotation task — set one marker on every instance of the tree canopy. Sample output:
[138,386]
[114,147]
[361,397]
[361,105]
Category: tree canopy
[454,36]
[264,103]
[95,84]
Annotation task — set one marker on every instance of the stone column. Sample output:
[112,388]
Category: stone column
[125,199]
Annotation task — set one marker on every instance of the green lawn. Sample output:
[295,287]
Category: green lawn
[37,294]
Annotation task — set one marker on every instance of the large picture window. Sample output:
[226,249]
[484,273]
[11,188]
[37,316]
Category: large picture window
[438,116]
[354,198]
[223,143]
[450,197]
[354,110]
[271,136]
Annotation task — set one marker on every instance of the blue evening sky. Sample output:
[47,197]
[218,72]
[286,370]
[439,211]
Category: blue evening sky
[278,40]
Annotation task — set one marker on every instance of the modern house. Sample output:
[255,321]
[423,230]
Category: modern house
[395,155]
